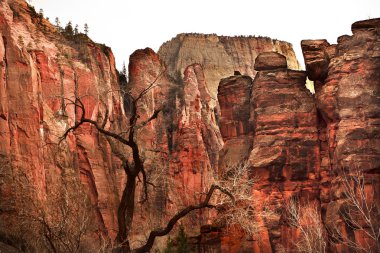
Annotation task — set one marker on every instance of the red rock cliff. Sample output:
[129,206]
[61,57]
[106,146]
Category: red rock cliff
[181,147]
[39,71]
[42,73]
[275,132]
[347,97]
[302,148]
[296,144]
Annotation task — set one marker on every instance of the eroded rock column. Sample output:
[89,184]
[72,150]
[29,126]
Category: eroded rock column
[347,98]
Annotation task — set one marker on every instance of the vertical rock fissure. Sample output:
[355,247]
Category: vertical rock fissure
[61,76]
[5,63]
[76,95]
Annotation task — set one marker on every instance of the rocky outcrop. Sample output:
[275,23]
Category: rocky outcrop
[317,58]
[348,103]
[234,96]
[285,144]
[271,123]
[220,56]
[180,147]
[270,61]
[196,145]
[303,148]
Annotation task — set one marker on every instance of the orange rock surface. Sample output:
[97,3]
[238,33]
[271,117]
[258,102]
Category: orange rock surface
[296,144]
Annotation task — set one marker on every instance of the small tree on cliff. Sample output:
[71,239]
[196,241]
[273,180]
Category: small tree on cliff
[359,212]
[57,24]
[86,29]
[233,201]
[76,30]
[307,219]
[69,31]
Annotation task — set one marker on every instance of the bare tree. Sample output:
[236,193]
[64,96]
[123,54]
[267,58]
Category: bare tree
[61,217]
[135,171]
[64,227]
[307,219]
[360,212]
[239,208]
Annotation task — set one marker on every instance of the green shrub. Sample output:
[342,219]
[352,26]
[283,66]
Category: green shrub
[179,244]
[181,240]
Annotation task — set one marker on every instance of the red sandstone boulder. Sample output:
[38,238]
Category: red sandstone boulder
[366,25]
[270,61]
[316,58]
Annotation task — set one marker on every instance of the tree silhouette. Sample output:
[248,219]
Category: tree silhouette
[86,29]
[69,29]
[57,24]
[124,70]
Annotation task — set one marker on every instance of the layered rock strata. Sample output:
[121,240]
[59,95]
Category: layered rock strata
[220,56]
[298,146]
[347,98]
[271,124]
[285,145]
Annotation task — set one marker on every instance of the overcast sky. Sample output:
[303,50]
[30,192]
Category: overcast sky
[127,25]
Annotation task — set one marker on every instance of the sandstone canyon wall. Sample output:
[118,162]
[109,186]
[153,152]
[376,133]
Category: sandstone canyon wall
[43,72]
[307,148]
[347,86]
[295,144]
[277,135]
[181,146]
[40,70]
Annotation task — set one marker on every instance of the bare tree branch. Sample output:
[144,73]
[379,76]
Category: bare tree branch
[164,231]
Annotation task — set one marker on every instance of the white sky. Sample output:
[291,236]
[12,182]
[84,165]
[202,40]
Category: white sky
[127,25]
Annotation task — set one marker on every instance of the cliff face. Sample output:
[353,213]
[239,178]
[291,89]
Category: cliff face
[234,96]
[220,56]
[347,97]
[285,144]
[310,150]
[297,145]
[275,132]
[180,148]
[41,72]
